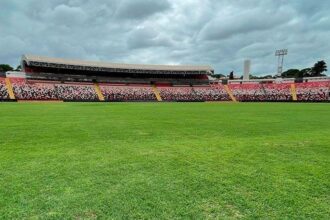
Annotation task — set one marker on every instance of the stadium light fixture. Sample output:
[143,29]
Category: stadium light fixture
[280,54]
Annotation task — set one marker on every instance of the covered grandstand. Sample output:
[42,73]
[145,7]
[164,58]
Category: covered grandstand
[44,67]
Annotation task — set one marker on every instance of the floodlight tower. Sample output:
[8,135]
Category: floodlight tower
[280,54]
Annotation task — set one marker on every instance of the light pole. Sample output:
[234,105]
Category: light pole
[280,54]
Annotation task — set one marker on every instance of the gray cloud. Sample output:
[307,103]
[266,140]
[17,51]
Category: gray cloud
[227,24]
[139,9]
[221,33]
[146,37]
[66,15]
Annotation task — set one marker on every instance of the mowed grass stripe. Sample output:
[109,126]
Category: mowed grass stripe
[164,160]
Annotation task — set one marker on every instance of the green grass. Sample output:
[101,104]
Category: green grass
[164,161]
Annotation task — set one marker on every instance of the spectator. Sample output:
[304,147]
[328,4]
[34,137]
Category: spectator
[206,93]
[34,91]
[313,91]
[128,93]
[260,92]
[177,94]
[76,92]
[248,92]
[277,92]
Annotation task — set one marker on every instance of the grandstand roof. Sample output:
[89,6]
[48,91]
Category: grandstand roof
[40,61]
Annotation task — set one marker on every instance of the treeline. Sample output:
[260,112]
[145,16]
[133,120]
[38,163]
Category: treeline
[316,71]
[7,67]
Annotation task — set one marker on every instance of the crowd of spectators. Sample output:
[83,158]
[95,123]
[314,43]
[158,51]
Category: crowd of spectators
[207,93]
[177,94]
[248,92]
[42,90]
[145,93]
[277,92]
[75,92]
[3,89]
[261,92]
[308,91]
[25,90]
[33,91]
[128,93]
[313,91]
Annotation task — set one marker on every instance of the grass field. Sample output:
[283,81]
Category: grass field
[164,161]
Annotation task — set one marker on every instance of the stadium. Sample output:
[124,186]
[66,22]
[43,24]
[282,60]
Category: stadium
[144,109]
[56,79]
[184,147]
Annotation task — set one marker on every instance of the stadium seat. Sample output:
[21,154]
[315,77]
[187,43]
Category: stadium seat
[113,92]
[313,91]
[77,91]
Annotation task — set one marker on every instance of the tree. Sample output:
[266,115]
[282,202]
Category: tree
[307,72]
[253,77]
[18,68]
[5,68]
[319,68]
[268,77]
[231,75]
[299,75]
[291,73]
[260,77]
[218,76]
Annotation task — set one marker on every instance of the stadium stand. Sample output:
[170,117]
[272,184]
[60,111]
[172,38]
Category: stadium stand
[115,92]
[76,92]
[178,93]
[34,90]
[69,91]
[262,92]
[58,79]
[47,90]
[277,92]
[248,92]
[210,93]
[3,90]
[313,91]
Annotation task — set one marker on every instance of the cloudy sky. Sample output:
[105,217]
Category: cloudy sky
[222,33]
